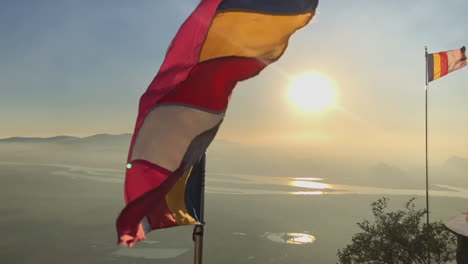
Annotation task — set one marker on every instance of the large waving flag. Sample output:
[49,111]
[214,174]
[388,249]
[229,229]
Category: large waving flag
[441,63]
[221,43]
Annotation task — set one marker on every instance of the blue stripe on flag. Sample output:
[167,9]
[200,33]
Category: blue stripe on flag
[194,190]
[430,67]
[271,6]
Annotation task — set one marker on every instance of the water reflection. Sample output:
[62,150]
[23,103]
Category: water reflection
[307,179]
[226,183]
[291,238]
[310,183]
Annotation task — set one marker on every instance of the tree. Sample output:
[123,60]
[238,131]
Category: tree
[399,238]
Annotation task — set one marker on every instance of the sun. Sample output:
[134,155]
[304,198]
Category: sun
[312,92]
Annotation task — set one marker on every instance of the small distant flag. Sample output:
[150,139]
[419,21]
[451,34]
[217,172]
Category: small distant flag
[441,63]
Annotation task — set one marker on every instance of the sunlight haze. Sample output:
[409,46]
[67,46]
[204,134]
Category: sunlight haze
[65,75]
[302,151]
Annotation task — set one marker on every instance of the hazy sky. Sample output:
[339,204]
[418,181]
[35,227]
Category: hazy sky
[79,67]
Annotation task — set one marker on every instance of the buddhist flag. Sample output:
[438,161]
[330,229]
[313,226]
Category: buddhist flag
[221,43]
[441,63]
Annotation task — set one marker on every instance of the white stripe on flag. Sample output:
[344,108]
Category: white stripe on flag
[168,131]
[454,59]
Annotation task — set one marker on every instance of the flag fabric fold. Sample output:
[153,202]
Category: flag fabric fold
[441,63]
[221,43]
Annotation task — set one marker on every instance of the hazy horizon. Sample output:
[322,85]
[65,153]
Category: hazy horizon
[300,152]
[261,160]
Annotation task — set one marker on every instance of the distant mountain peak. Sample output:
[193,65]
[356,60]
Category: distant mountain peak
[37,139]
[64,139]
[457,162]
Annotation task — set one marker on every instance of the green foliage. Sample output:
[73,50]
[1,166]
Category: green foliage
[399,237]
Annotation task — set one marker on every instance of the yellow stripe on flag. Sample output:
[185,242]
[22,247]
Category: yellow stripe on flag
[437,68]
[247,34]
[175,200]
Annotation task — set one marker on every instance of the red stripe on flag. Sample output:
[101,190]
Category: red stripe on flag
[443,63]
[151,204]
[210,83]
[143,177]
[161,216]
[184,51]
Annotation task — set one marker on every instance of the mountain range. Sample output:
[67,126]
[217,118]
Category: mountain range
[98,138]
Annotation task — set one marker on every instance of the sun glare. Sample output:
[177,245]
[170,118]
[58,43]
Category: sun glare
[312,92]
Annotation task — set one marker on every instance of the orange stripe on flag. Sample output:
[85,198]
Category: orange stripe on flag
[436,66]
[443,63]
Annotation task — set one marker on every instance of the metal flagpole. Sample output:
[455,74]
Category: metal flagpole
[199,228]
[198,239]
[427,169]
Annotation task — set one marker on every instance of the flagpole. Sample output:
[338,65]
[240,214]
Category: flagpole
[198,239]
[199,228]
[427,168]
